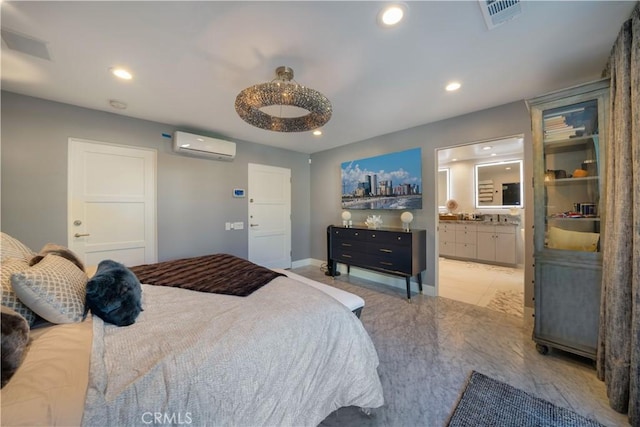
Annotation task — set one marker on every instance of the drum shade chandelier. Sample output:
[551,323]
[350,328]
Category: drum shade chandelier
[283,91]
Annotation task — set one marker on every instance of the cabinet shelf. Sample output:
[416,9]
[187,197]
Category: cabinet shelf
[570,181]
[569,144]
[559,218]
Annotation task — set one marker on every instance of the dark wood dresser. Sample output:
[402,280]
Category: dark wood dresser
[389,251]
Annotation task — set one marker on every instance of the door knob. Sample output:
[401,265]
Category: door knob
[253,225]
[81,235]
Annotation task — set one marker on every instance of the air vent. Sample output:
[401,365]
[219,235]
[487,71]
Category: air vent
[25,44]
[497,12]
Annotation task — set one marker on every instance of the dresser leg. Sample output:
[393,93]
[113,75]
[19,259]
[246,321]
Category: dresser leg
[408,279]
[419,276]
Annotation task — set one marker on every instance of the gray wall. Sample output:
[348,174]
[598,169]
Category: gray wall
[506,120]
[194,195]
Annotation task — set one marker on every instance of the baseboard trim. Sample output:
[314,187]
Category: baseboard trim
[305,262]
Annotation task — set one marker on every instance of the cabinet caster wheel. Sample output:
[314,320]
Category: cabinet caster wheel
[542,349]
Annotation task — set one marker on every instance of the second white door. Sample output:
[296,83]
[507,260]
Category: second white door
[269,196]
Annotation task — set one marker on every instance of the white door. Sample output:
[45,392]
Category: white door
[269,216]
[112,203]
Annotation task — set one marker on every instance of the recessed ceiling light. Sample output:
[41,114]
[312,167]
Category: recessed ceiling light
[317,132]
[121,73]
[508,168]
[487,147]
[391,15]
[453,86]
[493,154]
[454,160]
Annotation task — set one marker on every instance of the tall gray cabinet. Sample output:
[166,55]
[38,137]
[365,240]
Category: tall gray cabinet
[569,131]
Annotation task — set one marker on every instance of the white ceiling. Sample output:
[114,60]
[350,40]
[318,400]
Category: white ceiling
[191,59]
[511,148]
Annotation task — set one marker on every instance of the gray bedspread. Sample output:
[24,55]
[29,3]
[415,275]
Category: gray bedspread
[287,355]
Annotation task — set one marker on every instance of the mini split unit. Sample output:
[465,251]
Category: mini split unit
[203,146]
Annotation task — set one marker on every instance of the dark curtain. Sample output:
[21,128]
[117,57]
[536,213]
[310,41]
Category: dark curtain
[618,356]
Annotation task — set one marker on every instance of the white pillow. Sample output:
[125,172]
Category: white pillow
[55,289]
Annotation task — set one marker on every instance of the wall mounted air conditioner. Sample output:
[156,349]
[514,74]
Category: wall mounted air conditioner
[203,146]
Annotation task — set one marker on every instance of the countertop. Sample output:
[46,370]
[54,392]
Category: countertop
[480,222]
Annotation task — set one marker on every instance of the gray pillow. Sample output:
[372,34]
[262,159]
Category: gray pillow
[15,338]
[9,297]
[55,289]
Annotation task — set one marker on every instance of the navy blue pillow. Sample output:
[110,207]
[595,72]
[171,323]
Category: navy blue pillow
[114,294]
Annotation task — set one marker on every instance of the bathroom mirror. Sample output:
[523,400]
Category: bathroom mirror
[444,189]
[498,185]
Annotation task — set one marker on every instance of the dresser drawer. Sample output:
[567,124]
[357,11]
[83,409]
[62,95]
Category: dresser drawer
[341,234]
[398,239]
[349,255]
[396,264]
[389,251]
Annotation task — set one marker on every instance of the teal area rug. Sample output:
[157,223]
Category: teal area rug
[489,402]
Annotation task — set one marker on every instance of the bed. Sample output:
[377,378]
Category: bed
[287,354]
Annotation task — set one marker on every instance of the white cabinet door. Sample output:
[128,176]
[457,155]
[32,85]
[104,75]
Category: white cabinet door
[466,240]
[447,248]
[506,246]
[486,242]
[497,243]
[447,239]
[465,250]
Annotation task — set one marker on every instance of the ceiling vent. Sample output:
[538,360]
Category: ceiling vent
[497,12]
[25,44]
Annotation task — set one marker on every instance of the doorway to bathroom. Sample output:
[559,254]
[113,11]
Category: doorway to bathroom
[481,222]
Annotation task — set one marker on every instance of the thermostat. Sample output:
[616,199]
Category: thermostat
[238,192]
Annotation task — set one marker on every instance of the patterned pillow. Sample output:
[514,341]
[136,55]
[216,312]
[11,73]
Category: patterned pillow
[54,288]
[13,248]
[9,297]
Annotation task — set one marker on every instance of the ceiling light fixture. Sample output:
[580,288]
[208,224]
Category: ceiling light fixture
[280,93]
[453,86]
[487,147]
[391,15]
[121,73]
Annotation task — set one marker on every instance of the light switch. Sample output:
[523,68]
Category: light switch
[227,226]
[238,225]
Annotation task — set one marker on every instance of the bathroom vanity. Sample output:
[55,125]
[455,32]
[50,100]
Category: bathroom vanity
[479,241]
